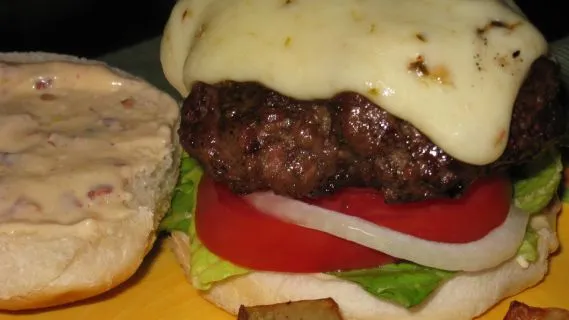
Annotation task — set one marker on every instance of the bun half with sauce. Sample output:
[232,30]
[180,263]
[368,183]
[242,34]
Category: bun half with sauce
[399,157]
[89,157]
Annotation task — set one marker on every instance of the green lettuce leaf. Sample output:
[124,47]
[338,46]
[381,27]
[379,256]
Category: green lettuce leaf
[528,250]
[537,182]
[184,197]
[207,268]
[406,284]
[534,187]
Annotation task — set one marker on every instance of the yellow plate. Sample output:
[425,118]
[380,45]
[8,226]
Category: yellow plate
[159,291]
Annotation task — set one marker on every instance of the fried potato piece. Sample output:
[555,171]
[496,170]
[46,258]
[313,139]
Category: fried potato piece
[322,309]
[521,311]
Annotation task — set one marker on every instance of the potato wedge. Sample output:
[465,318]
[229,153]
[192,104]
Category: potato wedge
[521,311]
[321,309]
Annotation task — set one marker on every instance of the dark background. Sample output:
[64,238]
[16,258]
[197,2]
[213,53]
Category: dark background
[93,27]
[80,27]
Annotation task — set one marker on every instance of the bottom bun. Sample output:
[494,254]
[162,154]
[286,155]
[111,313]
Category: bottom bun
[465,296]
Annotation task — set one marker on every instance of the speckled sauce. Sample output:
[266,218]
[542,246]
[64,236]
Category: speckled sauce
[73,137]
[442,65]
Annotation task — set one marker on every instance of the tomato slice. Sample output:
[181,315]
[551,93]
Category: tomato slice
[234,230]
[483,208]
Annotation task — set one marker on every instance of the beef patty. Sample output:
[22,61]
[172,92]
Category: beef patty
[253,138]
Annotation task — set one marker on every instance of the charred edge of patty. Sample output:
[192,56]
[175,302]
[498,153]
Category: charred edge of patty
[252,138]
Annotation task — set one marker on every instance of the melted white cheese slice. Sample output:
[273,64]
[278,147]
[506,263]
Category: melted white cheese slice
[452,68]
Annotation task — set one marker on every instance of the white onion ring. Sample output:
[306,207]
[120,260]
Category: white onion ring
[496,247]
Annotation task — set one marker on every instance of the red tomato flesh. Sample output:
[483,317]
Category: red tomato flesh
[483,208]
[234,230]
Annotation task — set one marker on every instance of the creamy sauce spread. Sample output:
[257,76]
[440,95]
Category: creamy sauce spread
[73,137]
[452,68]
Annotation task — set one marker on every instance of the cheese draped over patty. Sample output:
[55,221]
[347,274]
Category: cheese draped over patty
[452,68]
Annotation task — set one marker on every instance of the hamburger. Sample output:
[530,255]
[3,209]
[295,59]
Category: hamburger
[89,157]
[400,157]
